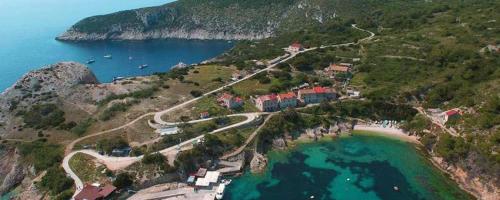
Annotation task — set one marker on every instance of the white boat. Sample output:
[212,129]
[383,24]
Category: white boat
[130,58]
[109,56]
[143,66]
[117,78]
[220,191]
[90,61]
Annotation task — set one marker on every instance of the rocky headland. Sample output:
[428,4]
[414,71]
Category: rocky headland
[190,19]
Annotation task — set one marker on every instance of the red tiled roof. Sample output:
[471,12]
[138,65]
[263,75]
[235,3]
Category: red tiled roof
[296,44]
[226,96]
[107,190]
[317,90]
[89,192]
[267,97]
[338,68]
[238,99]
[452,112]
[289,95]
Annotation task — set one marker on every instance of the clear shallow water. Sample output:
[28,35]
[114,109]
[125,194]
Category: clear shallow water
[30,26]
[363,167]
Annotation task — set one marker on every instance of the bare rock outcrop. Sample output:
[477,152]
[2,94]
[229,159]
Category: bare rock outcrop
[258,163]
[11,171]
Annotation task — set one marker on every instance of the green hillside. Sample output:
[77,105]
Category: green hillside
[432,55]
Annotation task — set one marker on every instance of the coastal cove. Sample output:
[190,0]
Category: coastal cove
[366,165]
[29,41]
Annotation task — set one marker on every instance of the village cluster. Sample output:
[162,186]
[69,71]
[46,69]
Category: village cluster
[276,102]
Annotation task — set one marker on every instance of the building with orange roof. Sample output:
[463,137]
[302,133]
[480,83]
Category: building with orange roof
[295,47]
[287,100]
[334,69]
[90,192]
[267,103]
[229,101]
[316,94]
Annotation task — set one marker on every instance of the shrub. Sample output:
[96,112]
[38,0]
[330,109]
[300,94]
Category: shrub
[43,155]
[82,127]
[123,180]
[55,181]
[43,116]
[196,93]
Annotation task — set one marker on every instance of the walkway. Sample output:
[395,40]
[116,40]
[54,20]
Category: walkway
[114,163]
[437,123]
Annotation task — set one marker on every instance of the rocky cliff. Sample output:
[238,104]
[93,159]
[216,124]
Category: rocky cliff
[195,19]
[42,86]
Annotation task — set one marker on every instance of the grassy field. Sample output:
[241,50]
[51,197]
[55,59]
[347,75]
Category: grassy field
[206,76]
[251,87]
[87,169]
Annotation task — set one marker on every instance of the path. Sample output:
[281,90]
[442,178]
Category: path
[120,162]
[435,122]
[249,139]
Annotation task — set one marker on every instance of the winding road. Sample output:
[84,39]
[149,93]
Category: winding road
[115,163]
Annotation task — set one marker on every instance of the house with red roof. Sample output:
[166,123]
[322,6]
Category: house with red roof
[229,101]
[335,69]
[90,192]
[295,47]
[446,115]
[316,94]
[287,100]
[267,103]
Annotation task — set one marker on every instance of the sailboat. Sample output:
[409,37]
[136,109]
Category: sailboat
[143,66]
[90,61]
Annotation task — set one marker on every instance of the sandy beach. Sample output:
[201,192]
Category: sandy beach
[392,132]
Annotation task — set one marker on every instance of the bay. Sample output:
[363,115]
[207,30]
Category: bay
[30,26]
[363,166]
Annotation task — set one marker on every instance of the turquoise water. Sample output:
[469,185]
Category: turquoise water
[363,167]
[30,26]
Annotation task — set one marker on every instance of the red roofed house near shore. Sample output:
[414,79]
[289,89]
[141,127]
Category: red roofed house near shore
[287,100]
[90,192]
[295,47]
[229,101]
[267,103]
[317,94]
[446,115]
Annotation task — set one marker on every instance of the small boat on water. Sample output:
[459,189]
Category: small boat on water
[117,78]
[396,188]
[108,56]
[90,61]
[179,65]
[220,191]
[143,66]
[130,58]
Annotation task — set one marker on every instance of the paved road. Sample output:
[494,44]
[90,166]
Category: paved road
[114,163]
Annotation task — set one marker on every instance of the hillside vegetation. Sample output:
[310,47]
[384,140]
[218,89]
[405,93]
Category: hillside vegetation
[432,55]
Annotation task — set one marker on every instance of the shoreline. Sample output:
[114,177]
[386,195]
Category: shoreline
[390,132]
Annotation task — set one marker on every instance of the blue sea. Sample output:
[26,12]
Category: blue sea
[30,26]
[361,167]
